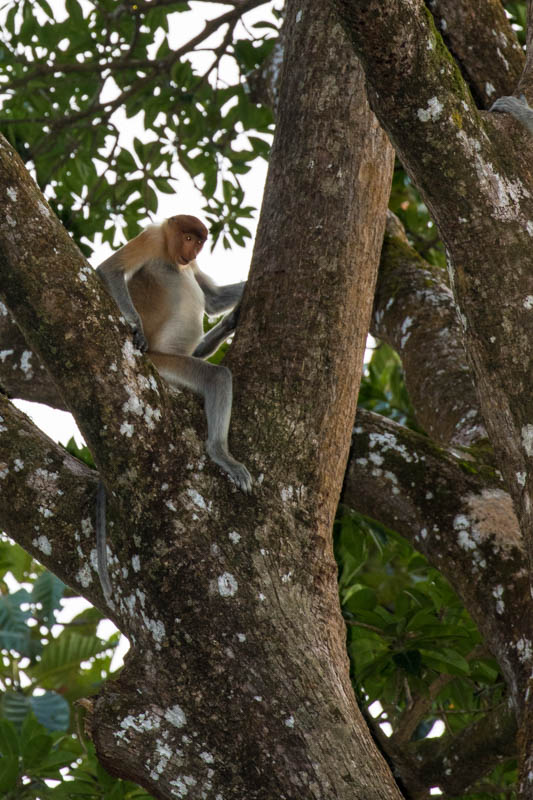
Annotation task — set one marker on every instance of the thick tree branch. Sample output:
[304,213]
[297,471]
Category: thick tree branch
[482,41]
[415,313]
[48,500]
[21,373]
[460,518]
[482,201]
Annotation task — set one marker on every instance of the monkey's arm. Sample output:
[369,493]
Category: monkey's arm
[518,107]
[214,338]
[218,298]
[112,274]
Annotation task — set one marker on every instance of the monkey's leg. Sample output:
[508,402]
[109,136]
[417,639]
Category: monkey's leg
[214,384]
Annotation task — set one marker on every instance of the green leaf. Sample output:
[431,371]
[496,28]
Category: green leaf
[48,590]
[9,741]
[35,750]
[9,771]
[446,661]
[51,710]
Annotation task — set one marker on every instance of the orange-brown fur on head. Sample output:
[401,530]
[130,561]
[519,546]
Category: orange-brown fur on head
[184,238]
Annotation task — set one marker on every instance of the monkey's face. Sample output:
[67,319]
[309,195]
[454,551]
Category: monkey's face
[187,237]
[191,244]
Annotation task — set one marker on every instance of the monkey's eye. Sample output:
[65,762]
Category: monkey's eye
[188,238]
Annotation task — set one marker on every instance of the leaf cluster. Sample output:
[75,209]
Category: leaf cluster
[68,82]
[383,388]
[409,636]
[44,670]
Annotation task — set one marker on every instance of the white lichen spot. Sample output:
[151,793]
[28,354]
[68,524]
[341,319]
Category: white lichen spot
[375,458]
[45,211]
[234,537]
[299,16]
[5,354]
[241,637]
[84,577]
[46,512]
[529,227]
[183,784]
[87,527]
[521,478]
[261,597]
[492,339]
[489,89]
[156,628]
[176,716]
[170,505]
[388,441]
[42,543]
[163,754]
[18,464]
[527,439]
[12,194]
[524,649]
[497,593]
[432,112]
[423,533]
[287,577]
[429,495]
[25,364]
[141,723]
[136,563]
[126,429]
[287,493]
[227,585]
[406,324]
[197,499]
[289,722]
[151,416]
[528,302]
[207,757]
[133,404]
[10,221]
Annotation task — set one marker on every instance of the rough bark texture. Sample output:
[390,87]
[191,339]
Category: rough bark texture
[237,684]
[482,41]
[459,516]
[415,313]
[480,193]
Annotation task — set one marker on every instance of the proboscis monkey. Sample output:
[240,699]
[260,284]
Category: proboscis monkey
[162,294]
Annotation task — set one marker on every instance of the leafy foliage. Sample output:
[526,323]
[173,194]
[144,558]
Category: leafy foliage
[65,78]
[410,637]
[383,388]
[44,670]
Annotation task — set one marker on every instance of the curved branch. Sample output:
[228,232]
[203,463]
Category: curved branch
[457,514]
[415,313]
[483,43]
[48,501]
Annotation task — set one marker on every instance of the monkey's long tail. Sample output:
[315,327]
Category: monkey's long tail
[101,543]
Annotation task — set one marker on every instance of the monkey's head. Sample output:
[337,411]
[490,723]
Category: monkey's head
[185,237]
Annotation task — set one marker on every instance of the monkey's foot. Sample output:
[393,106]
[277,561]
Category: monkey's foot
[234,469]
[240,476]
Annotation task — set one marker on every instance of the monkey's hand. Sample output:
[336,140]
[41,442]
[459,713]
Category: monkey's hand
[139,339]
[516,106]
